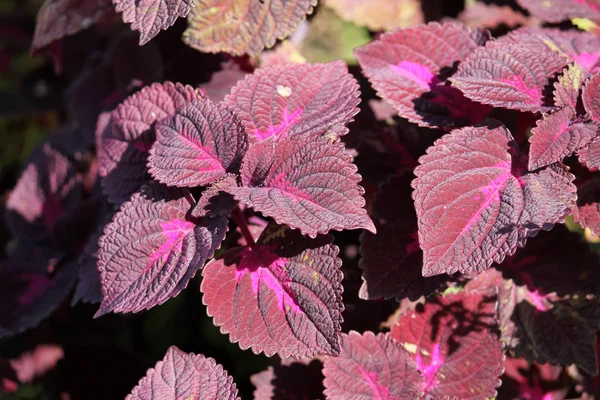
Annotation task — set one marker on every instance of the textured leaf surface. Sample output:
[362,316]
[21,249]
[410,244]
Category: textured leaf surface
[30,290]
[590,155]
[182,375]
[198,146]
[150,251]
[215,201]
[296,99]
[556,136]
[587,211]
[454,342]
[568,87]
[150,16]
[408,68]
[59,18]
[243,26]
[474,203]
[278,296]
[379,15]
[562,10]
[304,182]
[126,141]
[371,367]
[591,97]
[508,76]
[392,259]
[289,381]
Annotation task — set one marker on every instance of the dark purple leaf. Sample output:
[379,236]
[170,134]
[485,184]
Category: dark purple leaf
[294,99]
[198,146]
[587,210]
[215,201]
[591,97]
[59,18]
[282,295]
[454,342]
[371,367]
[30,290]
[150,251]
[305,182]
[392,259]
[568,87]
[182,375]
[290,380]
[562,10]
[557,136]
[508,75]
[150,16]
[409,67]
[126,141]
[590,155]
[475,204]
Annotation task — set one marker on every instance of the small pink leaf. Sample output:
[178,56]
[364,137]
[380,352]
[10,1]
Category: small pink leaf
[568,87]
[125,142]
[150,251]
[408,68]
[508,76]
[587,211]
[294,99]
[454,342]
[556,136]
[305,182]
[182,375]
[371,367]
[150,16]
[278,298]
[222,81]
[475,204]
[198,146]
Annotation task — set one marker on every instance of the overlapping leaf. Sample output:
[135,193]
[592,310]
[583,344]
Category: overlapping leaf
[508,75]
[286,100]
[454,342]
[379,15]
[475,204]
[243,26]
[150,16]
[281,295]
[59,18]
[590,155]
[150,251]
[568,87]
[562,10]
[126,141]
[391,259]
[222,81]
[591,97]
[305,182]
[587,211]
[198,146]
[557,136]
[408,68]
[371,367]
[290,380]
[182,375]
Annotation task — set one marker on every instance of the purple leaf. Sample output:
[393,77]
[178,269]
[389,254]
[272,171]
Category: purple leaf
[198,146]
[150,16]
[126,141]
[278,296]
[182,375]
[508,75]
[587,211]
[568,87]
[454,342]
[305,182]
[408,68]
[562,10]
[222,81]
[590,155]
[294,99]
[591,97]
[59,18]
[371,367]
[392,259]
[150,251]
[215,201]
[290,380]
[475,204]
[30,290]
[557,136]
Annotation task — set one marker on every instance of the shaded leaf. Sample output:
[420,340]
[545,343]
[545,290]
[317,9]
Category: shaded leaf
[222,81]
[409,67]
[371,367]
[591,97]
[150,251]
[288,381]
[305,182]
[182,375]
[295,99]
[215,201]
[198,146]
[243,26]
[587,210]
[475,204]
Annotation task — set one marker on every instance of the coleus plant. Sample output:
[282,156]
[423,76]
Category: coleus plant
[474,155]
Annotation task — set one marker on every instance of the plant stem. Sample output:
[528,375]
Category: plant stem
[240,220]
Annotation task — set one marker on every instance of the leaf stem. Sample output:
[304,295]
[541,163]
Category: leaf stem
[240,220]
